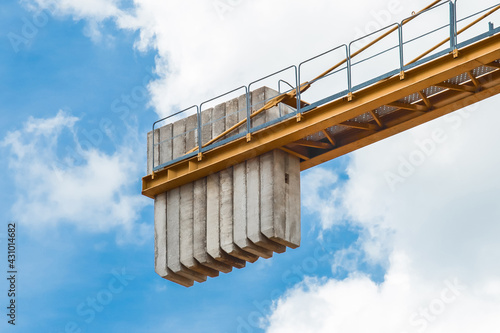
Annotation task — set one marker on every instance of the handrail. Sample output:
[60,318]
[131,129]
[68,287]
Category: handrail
[160,120]
[296,92]
[457,33]
[377,40]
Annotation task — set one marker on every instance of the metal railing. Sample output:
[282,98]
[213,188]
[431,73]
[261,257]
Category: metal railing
[347,65]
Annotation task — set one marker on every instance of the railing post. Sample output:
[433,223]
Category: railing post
[249,124]
[401,54]
[453,29]
[297,84]
[349,73]
[153,155]
[198,112]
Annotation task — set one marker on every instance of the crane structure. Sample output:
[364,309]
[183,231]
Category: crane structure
[454,73]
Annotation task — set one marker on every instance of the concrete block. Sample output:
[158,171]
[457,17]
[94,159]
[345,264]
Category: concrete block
[191,132]
[200,229]
[156,150]
[274,112]
[213,224]
[226,208]
[187,233]
[213,214]
[272,166]
[292,232]
[186,225]
[253,198]
[231,116]
[165,143]
[280,193]
[258,97]
[160,216]
[274,192]
[206,125]
[242,112]
[179,139]
[240,221]
[218,118]
[173,238]
[160,213]
[227,219]
[254,201]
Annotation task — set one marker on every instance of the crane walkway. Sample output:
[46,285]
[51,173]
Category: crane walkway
[456,71]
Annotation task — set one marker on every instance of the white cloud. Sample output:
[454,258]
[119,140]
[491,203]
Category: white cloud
[436,223]
[404,303]
[440,223]
[58,181]
[319,196]
[205,48]
[90,9]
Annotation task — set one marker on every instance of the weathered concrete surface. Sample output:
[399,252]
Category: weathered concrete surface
[214,248]
[292,231]
[200,229]
[165,139]
[173,238]
[242,112]
[161,268]
[254,202]
[156,150]
[241,223]
[239,214]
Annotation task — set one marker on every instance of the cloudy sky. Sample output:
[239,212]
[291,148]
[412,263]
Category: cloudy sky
[81,83]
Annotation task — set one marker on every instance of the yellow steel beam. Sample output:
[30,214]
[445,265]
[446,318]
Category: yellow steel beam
[377,119]
[411,107]
[294,153]
[474,80]
[334,113]
[329,137]
[313,144]
[363,126]
[427,103]
[493,65]
[409,121]
[459,87]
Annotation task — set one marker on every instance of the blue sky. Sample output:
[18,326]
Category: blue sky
[61,266]
[79,94]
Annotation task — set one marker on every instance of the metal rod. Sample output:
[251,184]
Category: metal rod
[153,148]
[401,55]
[249,125]
[458,33]
[160,120]
[198,111]
[288,84]
[268,105]
[376,40]
[452,26]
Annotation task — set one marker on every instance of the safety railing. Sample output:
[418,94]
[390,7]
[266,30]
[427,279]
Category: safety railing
[351,63]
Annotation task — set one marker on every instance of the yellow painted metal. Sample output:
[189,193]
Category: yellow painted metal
[329,137]
[474,80]
[455,51]
[411,121]
[336,112]
[375,41]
